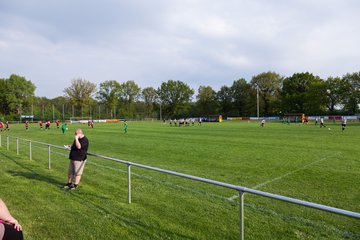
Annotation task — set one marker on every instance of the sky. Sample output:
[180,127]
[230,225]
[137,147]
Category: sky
[199,42]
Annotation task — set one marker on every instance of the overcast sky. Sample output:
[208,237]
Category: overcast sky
[200,42]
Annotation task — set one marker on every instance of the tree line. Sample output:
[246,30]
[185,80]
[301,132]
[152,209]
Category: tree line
[275,95]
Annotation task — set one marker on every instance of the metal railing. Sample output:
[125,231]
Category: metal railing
[241,190]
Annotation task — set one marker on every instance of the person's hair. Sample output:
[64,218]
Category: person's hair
[79,130]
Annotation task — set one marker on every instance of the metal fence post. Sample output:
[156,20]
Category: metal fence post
[129,183]
[0,140]
[17,146]
[241,196]
[30,150]
[49,150]
[7,143]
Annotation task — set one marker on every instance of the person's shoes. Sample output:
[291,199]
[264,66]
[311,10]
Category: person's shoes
[67,186]
[73,187]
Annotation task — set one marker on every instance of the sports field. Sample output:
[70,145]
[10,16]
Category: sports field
[304,162]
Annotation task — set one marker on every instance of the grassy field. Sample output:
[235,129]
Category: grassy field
[303,162]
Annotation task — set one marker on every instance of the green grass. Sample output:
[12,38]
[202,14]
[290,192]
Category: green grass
[303,162]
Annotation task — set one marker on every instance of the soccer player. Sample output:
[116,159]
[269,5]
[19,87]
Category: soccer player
[125,127]
[7,126]
[92,124]
[1,126]
[41,124]
[47,125]
[171,122]
[322,123]
[199,121]
[57,123]
[343,123]
[262,123]
[64,128]
[26,125]
[316,121]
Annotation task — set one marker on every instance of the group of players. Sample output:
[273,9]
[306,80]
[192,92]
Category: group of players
[6,125]
[184,122]
[41,125]
[47,124]
[173,122]
[306,121]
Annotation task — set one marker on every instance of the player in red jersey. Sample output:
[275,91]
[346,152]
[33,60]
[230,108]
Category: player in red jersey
[47,125]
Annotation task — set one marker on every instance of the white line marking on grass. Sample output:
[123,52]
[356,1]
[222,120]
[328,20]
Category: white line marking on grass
[281,177]
[232,198]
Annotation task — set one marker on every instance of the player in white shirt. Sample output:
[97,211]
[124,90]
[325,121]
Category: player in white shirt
[262,123]
[343,123]
[322,123]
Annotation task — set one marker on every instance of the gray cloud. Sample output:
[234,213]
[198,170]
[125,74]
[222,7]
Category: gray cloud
[199,42]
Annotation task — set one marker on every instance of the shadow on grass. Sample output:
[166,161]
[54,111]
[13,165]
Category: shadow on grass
[143,230]
[30,173]
[137,228]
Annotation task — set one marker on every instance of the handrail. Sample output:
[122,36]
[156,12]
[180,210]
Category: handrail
[240,189]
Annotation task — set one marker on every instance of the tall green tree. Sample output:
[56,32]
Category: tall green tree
[304,93]
[352,96]
[225,100]
[206,101]
[109,94]
[18,95]
[80,93]
[175,97]
[244,101]
[150,96]
[130,93]
[4,109]
[336,91]
[269,85]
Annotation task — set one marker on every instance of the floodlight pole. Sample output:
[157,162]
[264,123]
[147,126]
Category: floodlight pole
[63,112]
[99,112]
[160,112]
[32,112]
[257,100]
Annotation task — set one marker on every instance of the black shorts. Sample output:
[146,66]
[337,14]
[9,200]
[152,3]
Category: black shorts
[11,233]
[344,125]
